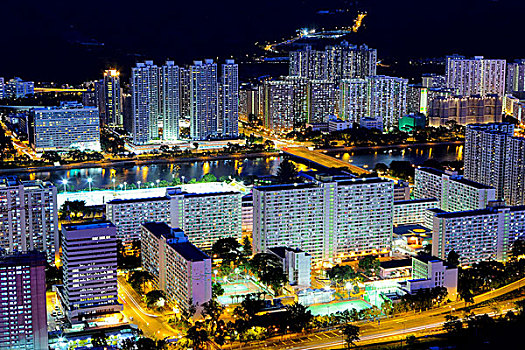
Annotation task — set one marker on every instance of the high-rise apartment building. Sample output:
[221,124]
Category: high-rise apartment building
[514,182]
[433,81]
[204,217]
[2,88]
[170,100]
[478,235]
[465,109]
[68,127]
[279,108]
[334,63]
[23,316]
[229,117]
[29,216]
[249,101]
[323,98]
[111,113]
[374,96]
[475,76]
[413,211]
[89,256]
[185,92]
[329,217]
[204,100]
[145,102]
[179,268]
[485,154]
[454,192]
[515,76]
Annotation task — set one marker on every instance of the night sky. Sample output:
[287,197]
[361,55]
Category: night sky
[53,40]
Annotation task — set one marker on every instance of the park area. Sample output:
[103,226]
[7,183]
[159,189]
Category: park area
[234,292]
[340,306]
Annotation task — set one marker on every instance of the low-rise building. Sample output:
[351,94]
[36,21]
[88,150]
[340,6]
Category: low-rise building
[395,268]
[371,123]
[297,265]
[401,191]
[179,268]
[431,272]
[336,124]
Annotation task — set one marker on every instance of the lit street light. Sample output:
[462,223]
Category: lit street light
[89,180]
[113,180]
[125,183]
[182,177]
[138,182]
[121,185]
[158,183]
[64,182]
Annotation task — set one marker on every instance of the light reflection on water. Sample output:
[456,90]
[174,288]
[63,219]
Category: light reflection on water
[77,178]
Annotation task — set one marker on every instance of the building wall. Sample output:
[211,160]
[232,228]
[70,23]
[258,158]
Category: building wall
[412,211]
[23,317]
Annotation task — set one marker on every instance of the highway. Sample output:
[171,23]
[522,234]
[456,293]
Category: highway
[390,329]
[323,159]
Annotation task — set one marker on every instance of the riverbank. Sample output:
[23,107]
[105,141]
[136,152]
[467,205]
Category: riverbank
[386,147]
[137,162]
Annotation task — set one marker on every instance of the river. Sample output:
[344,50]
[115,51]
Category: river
[102,177]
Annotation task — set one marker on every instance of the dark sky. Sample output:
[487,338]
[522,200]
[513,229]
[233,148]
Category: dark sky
[40,40]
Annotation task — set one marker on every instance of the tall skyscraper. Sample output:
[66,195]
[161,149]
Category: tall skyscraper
[204,100]
[376,97]
[229,127]
[89,255]
[185,92]
[70,126]
[2,88]
[112,111]
[323,98]
[515,76]
[145,102]
[17,88]
[465,109]
[29,217]
[334,63]
[23,317]
[485,154]
[170,101]
[279,107]
[514,187]
[475,76]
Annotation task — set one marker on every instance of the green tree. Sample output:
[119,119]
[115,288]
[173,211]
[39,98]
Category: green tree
[154,298]
[369,264]
[99,340]
[212,310]
[138,279]
[216,290]
[298,317]
[51,156]
[197,337]
[246,246]
[518,249]
[351,334]
[452,326]
[269,269]
[381,168]
[287,172]
[209,178]
[453,258]
[341,273]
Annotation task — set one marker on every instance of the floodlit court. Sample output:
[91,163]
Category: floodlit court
[330,308]
[234,292]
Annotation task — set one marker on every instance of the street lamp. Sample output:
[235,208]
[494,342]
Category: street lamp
[120,186]
[113,180]
[125,183]
[64,182]
[138,182]
[158,183]
[89,180]
[182,177]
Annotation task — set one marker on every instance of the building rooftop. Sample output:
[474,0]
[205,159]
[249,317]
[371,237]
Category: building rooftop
[477,212]
[411,230]
[392,264]
[32,258]
[431,171]
[281,251]
[414,201]
[137,200]
[427,258]
[284,187]
[470,183]
[174,238]
[87,226]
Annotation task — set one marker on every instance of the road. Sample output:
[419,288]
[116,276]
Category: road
[153,325]
[323,159]
[393,329]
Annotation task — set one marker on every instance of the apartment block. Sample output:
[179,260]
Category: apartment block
[180,269]
[413,211]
